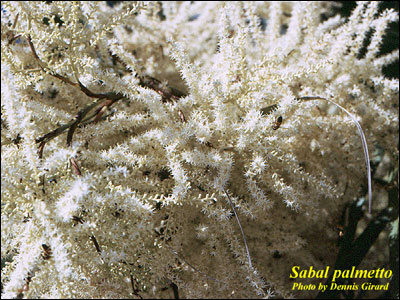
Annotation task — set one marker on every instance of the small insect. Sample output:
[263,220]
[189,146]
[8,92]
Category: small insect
[340,230]
[277,123]
[46,254]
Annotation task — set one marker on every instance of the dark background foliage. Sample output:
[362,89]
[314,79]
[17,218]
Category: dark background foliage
[391,40]
[353,249]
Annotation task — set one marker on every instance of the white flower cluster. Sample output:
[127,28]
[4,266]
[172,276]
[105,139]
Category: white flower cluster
[134,136]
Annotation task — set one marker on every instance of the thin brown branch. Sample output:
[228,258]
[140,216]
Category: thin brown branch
[79,119]
[42,183]
[96,244]
[12,39]
[29,39]
[40,150]
[75,167]
[15,21]
[66,80]
[269,109]
[90,93]
[134,290]
[175,290]
[102,108]
[167,93]
[52,134]
[182,116]
[111,97]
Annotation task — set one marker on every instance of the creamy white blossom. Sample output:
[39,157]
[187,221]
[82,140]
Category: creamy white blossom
[139,139]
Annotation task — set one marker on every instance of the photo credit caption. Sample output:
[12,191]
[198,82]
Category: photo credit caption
[353,273]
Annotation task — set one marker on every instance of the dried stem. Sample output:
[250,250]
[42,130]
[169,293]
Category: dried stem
[105,100]
[75,167]
[363,141]
[66,80]
[241,229]
[96,244]
[134,290]
[269,109]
